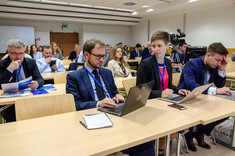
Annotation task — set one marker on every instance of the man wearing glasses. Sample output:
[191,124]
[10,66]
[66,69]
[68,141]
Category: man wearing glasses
[16,68]
[93,86]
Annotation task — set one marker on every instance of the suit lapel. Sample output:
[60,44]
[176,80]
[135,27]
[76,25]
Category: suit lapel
[87,82]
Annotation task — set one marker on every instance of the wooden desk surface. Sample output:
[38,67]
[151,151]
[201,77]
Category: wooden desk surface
[50,76]
[11,100]
[62,134]
[207,108]
[230,75]
[66,67]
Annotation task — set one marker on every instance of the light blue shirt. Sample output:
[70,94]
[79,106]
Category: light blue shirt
[45,67]
[38,55]
[93,83]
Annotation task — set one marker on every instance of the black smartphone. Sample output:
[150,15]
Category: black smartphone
[52,62]
[174,105]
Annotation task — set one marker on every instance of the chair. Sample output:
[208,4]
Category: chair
[175,78]
[39,106]
[60,78]
[128,83]
[230,67]
[66,62]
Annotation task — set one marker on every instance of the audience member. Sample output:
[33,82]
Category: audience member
[56,53]
[125,50]
[74,55]
[117,64]
[233,56]
[158,68]
[40,48]
[34,53]
[27,49]
[48,63]
[200,71]
[93,86]
[136,52]
[147,52]
[16,68]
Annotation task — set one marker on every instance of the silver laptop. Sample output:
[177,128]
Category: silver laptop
[230,97]
[136,99]
[176,98]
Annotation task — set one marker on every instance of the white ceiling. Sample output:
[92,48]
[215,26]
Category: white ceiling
[45,9]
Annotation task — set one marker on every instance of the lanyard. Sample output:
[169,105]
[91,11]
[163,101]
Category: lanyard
[17,74]
[100,84]
[162,75]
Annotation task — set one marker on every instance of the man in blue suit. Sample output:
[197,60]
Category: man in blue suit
[93,86]
[206,69]
[83,83]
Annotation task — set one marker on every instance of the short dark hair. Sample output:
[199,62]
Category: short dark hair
[161,35]
[182,43]
[137,45]
[91,43]
[218,48]
[46,47]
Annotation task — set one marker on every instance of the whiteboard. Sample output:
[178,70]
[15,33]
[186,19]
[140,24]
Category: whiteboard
[26,34]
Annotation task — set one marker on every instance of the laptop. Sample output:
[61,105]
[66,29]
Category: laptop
[137,98]
[230,97]
[176,98]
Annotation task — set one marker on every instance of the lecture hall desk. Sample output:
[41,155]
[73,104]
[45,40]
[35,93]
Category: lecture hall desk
[61,135]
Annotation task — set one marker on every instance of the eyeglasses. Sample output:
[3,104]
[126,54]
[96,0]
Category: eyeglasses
[17,54]
[98,57]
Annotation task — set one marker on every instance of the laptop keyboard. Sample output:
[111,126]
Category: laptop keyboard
[178,98]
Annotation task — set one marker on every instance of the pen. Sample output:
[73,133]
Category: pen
[83,124]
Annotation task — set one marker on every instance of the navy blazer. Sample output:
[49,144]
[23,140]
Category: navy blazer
[30,69]
[133,54]
[78,83]
[148,71]
[193,75]
[146,54]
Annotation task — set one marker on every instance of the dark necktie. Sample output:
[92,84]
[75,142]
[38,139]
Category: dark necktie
[99,89]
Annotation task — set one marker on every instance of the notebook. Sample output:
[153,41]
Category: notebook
[176,98]
[137,98]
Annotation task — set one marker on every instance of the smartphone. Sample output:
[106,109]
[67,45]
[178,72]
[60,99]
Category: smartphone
[174,105]
[52,62]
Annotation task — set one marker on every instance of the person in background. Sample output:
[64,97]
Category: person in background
[74,55]
[56,53]
[15,68]
[107,49]
[147,52]
[40,48]
[49,64]
[88,93]
[117,64]
[60,49]
[158,68]
[206,69]
[125,50]
[34,53]
[136,52]
[27,49]
[233,56]
[142,48]
[181,51]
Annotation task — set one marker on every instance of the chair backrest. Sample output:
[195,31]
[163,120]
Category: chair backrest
[66,62]
[60,78]
[230,67]
[128,83]
[175,78]
[39,106]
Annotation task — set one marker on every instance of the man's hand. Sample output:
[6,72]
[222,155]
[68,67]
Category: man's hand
[107,102]
[48,59]
[167,93]
[33,85]
[223,90]
[223,64]
[118,98]
[54,67]
[14,65]
[183,92]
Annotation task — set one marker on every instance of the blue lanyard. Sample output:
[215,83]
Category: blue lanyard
[100,84]
[17,74]
[162,75]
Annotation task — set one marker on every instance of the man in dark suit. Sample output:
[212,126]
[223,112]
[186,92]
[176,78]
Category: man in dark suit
[206,69]
[16,68]
[147,52]
[93,86]
[136,52]
[83,83]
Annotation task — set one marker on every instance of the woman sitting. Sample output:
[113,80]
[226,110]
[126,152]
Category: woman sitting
[117,64]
